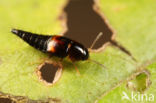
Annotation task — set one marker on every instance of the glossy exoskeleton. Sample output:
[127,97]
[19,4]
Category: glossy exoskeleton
[58,46]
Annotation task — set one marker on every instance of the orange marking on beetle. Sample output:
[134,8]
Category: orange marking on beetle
[52,49]
[69,45]
[54,41]
[57,40]
[51,46]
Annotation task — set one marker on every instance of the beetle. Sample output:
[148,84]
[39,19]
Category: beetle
[55,45]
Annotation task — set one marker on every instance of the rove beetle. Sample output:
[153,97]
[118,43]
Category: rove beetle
[55,45]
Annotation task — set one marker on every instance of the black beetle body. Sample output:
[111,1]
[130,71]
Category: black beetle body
[58,46]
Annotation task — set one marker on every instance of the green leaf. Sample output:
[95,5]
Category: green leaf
[134,23]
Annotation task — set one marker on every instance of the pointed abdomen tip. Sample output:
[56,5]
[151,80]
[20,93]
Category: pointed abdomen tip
[15,31]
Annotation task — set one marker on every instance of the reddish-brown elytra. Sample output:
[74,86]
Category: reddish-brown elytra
[58,46]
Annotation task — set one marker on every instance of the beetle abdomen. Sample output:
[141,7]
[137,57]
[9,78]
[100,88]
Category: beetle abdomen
[35,40]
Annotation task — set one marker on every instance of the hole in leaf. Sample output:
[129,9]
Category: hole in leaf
[49,72]
[84,22]
[141,82]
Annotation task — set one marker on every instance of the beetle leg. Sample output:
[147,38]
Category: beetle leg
[77,70]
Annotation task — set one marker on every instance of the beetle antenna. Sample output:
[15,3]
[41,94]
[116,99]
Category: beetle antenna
[97,37]
[96,62]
